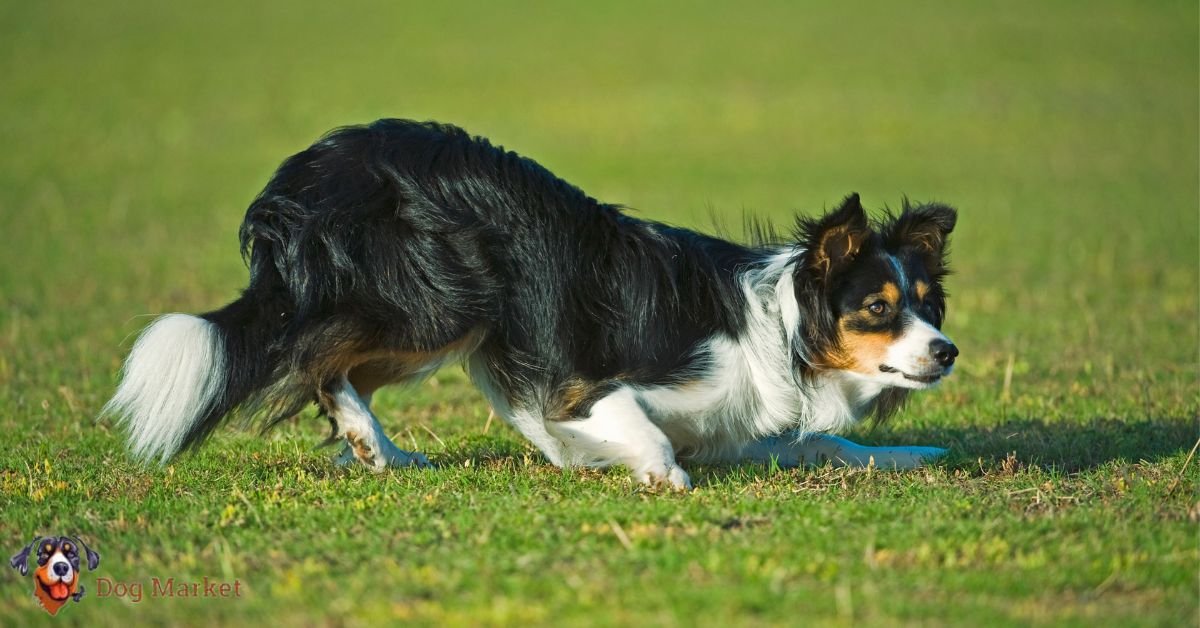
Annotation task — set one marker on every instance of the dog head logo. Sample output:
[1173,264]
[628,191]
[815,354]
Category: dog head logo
[56,577]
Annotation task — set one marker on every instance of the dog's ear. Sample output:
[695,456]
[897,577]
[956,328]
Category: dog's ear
[20,560]
[924,229]
[832,241]
[93,559]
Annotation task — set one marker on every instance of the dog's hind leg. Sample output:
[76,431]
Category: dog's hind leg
[366,442]
[793,450]
[617,431]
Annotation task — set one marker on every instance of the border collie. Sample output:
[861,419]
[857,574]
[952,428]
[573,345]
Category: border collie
[385,251]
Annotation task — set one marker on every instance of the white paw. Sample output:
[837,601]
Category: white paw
[678,478]
[346,458]
[401,458]
[395,457]
[672,477]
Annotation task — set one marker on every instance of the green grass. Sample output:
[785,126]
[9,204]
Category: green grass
[134,135]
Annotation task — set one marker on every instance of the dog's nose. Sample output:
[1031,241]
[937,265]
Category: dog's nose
[943,351]
[61,569]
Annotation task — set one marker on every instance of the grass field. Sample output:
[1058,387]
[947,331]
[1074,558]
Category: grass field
[135,134]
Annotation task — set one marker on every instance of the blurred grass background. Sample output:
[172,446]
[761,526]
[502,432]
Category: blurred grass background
[135,134]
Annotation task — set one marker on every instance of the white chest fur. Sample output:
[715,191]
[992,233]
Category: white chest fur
[748,389]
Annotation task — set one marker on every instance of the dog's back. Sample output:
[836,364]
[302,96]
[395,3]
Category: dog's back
[384,250]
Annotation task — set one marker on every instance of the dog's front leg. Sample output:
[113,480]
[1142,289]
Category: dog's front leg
[617,430]
[794,450]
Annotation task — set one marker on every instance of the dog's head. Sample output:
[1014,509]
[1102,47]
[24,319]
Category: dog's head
[56,577]
[870,295]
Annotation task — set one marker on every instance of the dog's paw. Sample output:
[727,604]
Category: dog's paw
[929,454]
[914,457]
[401,458]
[673,477]
[394,457]
[346,458]
[377,453]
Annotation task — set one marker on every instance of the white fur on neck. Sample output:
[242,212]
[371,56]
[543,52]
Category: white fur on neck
[750,389]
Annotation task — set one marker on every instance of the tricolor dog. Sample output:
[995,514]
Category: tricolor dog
[385,251]
[56,577]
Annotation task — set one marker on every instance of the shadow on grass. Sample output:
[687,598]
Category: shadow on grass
[1067,446]
[1064,445]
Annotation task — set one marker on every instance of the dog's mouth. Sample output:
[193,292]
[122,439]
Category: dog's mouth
[58,591]
[924,379]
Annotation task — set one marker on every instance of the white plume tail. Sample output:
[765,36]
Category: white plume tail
[173,378]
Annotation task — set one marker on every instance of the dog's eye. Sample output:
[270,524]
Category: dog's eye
[878,308]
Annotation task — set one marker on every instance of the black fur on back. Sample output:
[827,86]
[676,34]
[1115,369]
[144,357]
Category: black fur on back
[409,236]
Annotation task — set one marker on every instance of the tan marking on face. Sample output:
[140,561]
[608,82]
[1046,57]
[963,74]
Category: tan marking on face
[891,293]
[921,288]
[861,352]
